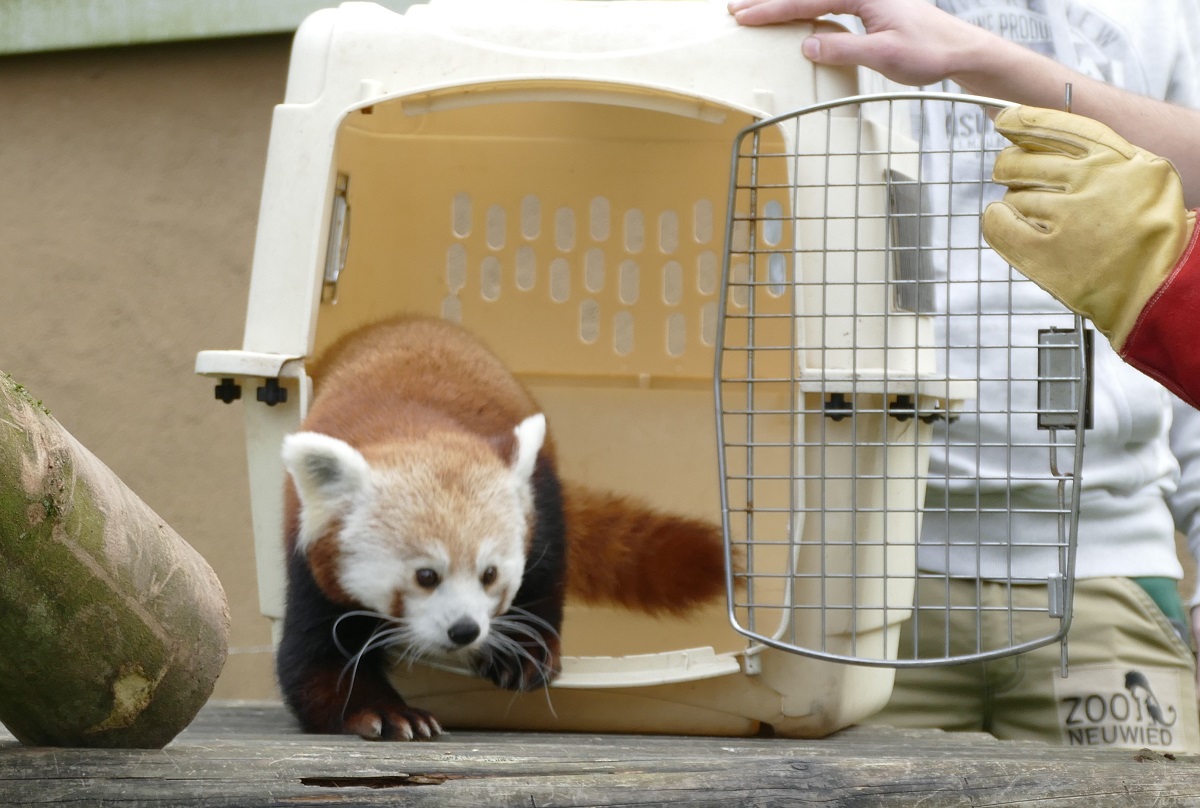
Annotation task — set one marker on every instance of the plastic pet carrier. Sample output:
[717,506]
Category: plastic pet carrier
[555,175]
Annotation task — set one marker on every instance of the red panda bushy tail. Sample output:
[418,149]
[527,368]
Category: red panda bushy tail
[622,552]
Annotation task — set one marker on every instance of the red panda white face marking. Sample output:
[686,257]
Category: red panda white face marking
[431,531]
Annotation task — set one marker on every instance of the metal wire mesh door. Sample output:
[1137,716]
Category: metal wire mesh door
[900,414]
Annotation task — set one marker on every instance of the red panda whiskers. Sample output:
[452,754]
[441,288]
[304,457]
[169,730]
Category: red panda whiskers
[386,633]
[382,618]
[351,668]
[507,644]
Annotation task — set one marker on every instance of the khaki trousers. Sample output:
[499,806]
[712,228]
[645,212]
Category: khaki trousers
[1131,678]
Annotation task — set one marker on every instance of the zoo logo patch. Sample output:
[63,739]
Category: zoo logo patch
[1121,707]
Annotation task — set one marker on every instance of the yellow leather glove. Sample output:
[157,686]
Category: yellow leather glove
[1089,217]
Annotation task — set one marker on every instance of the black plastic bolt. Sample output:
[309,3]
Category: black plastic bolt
[902,408]
[838,407]
[228,391]
[271,393]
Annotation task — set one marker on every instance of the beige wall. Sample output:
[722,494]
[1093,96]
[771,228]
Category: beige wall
[130,187]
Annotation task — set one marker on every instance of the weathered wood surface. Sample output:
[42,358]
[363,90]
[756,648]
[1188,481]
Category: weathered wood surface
[113,629]
[251,755]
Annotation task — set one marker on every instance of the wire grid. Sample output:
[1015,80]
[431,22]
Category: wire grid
[900,414]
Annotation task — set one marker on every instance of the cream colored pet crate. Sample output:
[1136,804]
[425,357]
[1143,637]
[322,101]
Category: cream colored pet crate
[553,174]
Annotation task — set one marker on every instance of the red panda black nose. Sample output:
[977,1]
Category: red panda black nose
[463,632]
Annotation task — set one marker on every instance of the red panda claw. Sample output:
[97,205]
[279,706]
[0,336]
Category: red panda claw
[366,724]
[405,724]
[412,724]
[521,675]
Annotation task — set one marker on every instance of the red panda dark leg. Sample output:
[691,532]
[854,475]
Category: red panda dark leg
[323,694]
[534,622]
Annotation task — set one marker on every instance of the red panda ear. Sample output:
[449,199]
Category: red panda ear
[327,472]
[530,434]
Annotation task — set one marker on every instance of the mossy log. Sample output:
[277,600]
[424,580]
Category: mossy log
[113,629]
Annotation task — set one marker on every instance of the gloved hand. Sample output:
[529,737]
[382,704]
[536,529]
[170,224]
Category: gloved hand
[1101,225]
[1089,217]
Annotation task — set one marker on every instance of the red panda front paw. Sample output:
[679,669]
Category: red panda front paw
[521,665]
[392,724]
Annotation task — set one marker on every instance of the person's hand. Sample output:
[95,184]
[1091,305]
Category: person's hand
[909,41]
[1092,219]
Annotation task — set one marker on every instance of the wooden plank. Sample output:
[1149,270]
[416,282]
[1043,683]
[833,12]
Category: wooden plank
[251,755]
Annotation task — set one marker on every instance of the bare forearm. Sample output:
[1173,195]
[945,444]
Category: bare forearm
[1013,73]
[913,42]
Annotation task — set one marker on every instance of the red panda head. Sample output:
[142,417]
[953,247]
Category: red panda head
[432,531]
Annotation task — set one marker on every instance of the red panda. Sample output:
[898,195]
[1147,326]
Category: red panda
[424,517]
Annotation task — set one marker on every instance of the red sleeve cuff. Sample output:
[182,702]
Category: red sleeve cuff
[1165,340]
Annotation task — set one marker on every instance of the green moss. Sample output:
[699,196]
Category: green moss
[50,507]
[83,520]
[20,391]
[78,624]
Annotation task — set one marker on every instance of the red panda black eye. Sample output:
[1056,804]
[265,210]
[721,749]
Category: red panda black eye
[489,576]
[427,578]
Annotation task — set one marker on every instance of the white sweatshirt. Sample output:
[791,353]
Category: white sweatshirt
[1130,479]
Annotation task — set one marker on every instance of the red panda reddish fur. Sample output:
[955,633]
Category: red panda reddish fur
[382,389]
[620,551]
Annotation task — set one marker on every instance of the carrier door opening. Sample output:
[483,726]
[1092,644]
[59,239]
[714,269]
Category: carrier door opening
[582,240]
